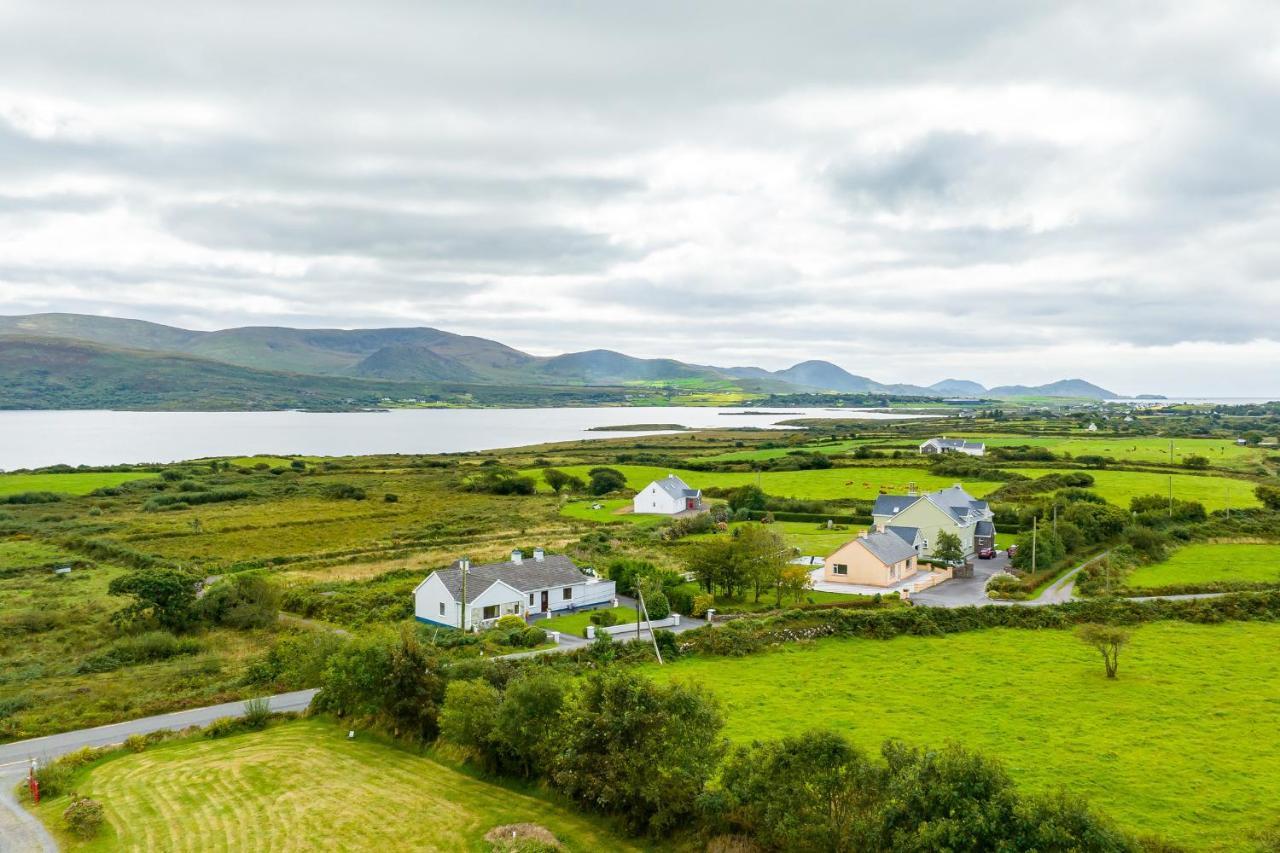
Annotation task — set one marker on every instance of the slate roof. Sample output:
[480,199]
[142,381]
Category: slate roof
[527,576]
[888,548]
[907,534]
[892,504]
[677,488]
[956,444]
[984,528]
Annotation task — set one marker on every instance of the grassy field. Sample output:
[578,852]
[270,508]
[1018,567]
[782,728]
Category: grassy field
[1205,562]
[73,483]
[1119,487]
[1186,714]
[1219,452]
[29,553]
[302,786]
[576,623]
[609,512]
[828,484]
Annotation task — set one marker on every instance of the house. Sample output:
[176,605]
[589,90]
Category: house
[1092,427]
[668,496]
[952,445]
[519,587]
[875,558]
[950,510]
[1241,442]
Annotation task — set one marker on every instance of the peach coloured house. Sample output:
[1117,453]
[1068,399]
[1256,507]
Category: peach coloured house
[875,558]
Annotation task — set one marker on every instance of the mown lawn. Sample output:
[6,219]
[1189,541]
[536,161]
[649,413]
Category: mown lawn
[1205,562]
[73,483]
[576,623]
[1119,487]
[302,786]
[609,512]
[827,484]
[1180,744]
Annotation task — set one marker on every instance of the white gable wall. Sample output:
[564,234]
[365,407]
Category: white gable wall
[652,500]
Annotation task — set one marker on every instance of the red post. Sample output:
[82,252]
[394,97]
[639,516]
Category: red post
[34,785]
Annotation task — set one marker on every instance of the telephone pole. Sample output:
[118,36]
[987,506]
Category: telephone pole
[464,563]
[1034,519]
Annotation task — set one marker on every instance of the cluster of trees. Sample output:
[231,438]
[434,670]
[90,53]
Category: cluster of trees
[753,559]
[600,481]
[1072,521]
[165,597]
[399,683]
[1270,497]
[500,480]
[818,792]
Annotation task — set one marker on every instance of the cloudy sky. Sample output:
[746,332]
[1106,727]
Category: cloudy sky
[999,191]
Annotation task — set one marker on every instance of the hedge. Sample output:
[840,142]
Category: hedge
[757,514]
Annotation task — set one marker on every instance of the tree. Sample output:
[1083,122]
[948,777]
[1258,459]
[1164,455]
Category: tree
[413,689]
[1108,640]
[637,749]
[559,481]
[812,792]
[246,600]
[1195,462]
[747,497]
[763,554]
[794,582]
[713,563]
[355,678]
[165,595]
[468,717]
[527,722]
[1048,550]
[947,547]
[1270,497]
[606,480]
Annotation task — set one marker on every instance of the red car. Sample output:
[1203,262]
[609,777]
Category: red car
[987,554]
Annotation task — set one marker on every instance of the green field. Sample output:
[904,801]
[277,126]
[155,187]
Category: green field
[828,484]
[1187,713]
[576,623]
[1207,562]
[1119,487]
[303,786]
[608,512]
[29,553]
[1219,452]
[73,483]
[830,448]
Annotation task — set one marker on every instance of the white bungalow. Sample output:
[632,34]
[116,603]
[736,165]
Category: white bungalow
[668,496]
[952,445]
[543,585]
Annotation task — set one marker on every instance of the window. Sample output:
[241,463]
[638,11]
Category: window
[442,608]
[491,612]
[516,610]
[839,569]
[530,599]
[568,593]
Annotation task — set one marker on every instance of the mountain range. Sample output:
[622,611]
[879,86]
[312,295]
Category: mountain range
[61,353]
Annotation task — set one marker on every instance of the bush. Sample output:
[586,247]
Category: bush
[604,618]
[31,498]
[533,636]
[509,622]
[657,606]
[83,817]
[391,498]
[257,712]
[224,727]
[144,648]
[55,777]
[701,604]
[602,481]
[343,492]
[246,600]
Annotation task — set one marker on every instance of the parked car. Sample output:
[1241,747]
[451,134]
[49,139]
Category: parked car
[1012,551]
[987,554]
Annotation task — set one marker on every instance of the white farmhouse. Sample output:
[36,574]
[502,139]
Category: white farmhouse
[668,496]
[520,587]
[952,445]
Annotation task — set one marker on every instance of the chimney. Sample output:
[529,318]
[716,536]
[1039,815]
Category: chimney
[538,555]
[517,556]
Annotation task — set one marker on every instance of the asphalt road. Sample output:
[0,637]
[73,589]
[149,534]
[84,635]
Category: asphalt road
[20,832]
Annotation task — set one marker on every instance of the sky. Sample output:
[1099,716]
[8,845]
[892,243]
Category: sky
[1009,192]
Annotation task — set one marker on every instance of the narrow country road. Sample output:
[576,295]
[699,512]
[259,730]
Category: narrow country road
[20,832]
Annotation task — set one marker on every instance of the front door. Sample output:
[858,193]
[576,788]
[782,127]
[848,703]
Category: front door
[546,601]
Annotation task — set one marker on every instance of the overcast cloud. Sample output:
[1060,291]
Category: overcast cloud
[1005,192]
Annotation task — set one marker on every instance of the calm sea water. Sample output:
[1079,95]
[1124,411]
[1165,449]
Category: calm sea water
[36,439]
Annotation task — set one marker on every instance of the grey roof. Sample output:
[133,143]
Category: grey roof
[892,504]
[888,548]
[956,444]
[527,576]
[677,488]
[984,528]
[907,534]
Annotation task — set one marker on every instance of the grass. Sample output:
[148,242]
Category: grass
[31,553]
[576,623]
[1206,562]
[303,786]
[72,483]
[609,512]
[1185,714]
[832,483]
[1220,452]
[1119,487]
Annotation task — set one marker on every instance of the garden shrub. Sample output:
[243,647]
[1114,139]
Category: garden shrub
[257,712]
[604,618]
[701,604]
[509,622]
[83,817]
[657,606]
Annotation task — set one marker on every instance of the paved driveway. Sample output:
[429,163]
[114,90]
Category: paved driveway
[963,592]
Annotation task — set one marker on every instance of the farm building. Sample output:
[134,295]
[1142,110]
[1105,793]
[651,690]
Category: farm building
[668,496]
[520,587]
[875,558]
[952,445]
[950,510]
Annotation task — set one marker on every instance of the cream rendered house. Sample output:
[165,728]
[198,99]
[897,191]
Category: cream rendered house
[879,558]
[950,510]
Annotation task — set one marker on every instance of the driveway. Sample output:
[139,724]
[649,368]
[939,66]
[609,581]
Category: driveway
[964,592]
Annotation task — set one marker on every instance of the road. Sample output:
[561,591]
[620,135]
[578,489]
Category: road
[20,832]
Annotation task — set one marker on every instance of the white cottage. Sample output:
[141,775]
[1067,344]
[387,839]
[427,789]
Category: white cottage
[668,496]
[520,587]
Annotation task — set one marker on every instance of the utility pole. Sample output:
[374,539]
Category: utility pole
[1055,518]
[645,610]
[1171,496]
[465,564]
[1034,519]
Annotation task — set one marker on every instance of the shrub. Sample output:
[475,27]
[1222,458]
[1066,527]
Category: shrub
[257,712]
[533,636]
[83,817]
[223,727]
[701,604]
[246,600]
[657,606]
[55,777]
[602,481]
[510,622]
[343,492]
[31,498]
[604,618]
[391,498]
[135,743]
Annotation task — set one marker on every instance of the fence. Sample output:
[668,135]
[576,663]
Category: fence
[630,628]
